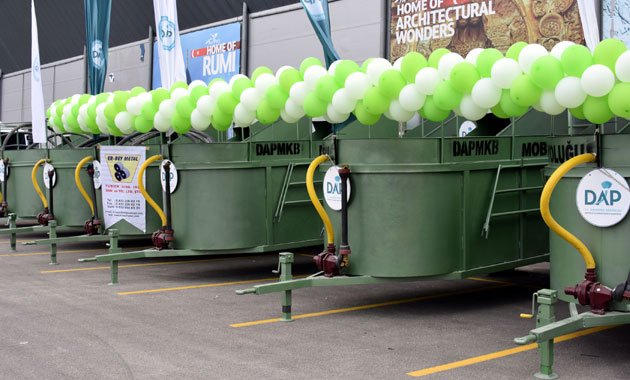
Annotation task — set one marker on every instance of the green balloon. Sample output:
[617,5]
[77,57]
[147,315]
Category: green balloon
[308,62]
[266,114]
[73,125]
[498,112]
[607,52]
[100,98]
[276,98]
[575,60]
[59,110]
[83,99]
[288,78]
[509,107]
[226,102]
[434,58]
[464,76]
[120,100]
[110,111]
[619,100]
[198,92]
[142,125]
[91,124]
[75,110]
[375,102]
[214,81]
[364,116]
[344,69]
[184,106]
[365,65]
[391,82]
[524,92]
[48,112]
[180,124]
[515,50]
[313,106]
[221,121]
[159,95]
[446,97]
[596,110]
[259,71]
[179,85]
[578,112]
[113,129]
[240,85]
[137,91]
[410,65]
[546,72]
[325,88]
[148,111]
[432,112]
[486,60]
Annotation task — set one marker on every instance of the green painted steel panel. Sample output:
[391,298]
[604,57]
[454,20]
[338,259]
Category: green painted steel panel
[21,195]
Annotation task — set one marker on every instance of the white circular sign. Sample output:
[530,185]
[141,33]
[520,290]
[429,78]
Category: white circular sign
[97,174]
[173,174]
[603,197]
[3,168]
[47,168]
[332,188]
[466,127]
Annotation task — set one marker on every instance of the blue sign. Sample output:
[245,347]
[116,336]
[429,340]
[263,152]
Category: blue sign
[208,54]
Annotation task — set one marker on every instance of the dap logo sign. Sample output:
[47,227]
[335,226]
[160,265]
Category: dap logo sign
[603,197]
[332,188]
[97,53]
[166,29]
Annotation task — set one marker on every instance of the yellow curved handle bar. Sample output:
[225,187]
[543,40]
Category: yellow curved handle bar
[38,190]
[546,214]
[330,234]
[77,181]
[143,191]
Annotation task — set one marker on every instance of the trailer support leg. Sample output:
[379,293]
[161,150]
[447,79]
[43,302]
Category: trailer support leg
[113,248]
[286,263]
[52,234]
[546,315]
[13,226]
[114,272]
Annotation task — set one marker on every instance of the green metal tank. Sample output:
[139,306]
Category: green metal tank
[20,195]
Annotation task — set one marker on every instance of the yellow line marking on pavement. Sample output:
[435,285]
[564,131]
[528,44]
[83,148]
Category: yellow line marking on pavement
[370,306]
[500,354]
[502,282]
[124,266]
[194,286]
[48,252]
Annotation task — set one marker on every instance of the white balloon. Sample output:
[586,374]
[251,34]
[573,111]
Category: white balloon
[426,80]
[559,48]
[161,122]
[288,118]
[336,117]
[298,92]
[410,99]
[549,104]
[294,109]
[398,63]
[470,110]
[250,98]
[101,123]
[446,64]
[598,80]
[218,88]
[243,116]
[333,66]
[167,108]
[91,101]
[398,113]
[312,74]
[178,93]
[342,102]
[376,67]
[75,99]
[83,111]
[263,82]
[473,55]
[199,121]
[100,110]
[485,94]
[206,105]
[538,107]
[124,122]
[529,54]
[357,85]
[134,105]
[196,83]
[504,71]
[235,78]
[622,67]
[83,124]
[278,72]
[569,92]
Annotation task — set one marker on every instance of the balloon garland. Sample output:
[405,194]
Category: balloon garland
[593,86]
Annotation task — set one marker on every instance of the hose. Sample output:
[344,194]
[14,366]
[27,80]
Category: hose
[546,214]
[38,190]
[77,180]
[330,234]
[143,191]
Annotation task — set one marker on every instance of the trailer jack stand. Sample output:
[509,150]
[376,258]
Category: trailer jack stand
[92,226]
[286,263]
[162,238]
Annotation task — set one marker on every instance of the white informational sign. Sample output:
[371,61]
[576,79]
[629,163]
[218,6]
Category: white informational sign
[603,197]
[47,169]
[97,174]
[173,175]
[122,199]
[332,188]
[3,168]
[466,127]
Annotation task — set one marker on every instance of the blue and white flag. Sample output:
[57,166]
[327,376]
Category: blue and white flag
[169,46]
[38,115]
[317,11]
[97,16]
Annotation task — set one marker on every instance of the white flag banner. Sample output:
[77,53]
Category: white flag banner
[589,19]
[38,115]
[169,46]
[122,199]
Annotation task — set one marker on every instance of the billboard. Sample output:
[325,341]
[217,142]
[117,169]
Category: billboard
[208,54]
[616,19]
[463,25]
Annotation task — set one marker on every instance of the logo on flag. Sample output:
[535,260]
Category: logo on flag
[97,53]
[167,33]
[36,69]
